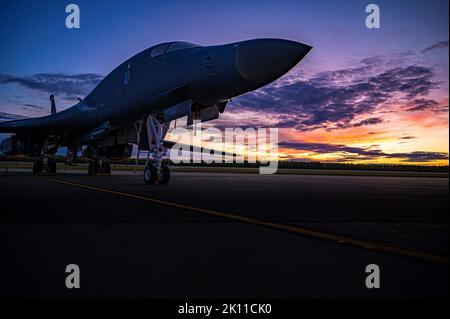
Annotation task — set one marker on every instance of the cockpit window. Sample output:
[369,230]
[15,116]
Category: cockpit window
[181,46]
[159,49]
[170,47]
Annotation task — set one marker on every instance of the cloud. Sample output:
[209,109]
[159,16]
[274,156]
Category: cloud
[26,106]
[330,148]
[439,45]
[420,156]
[368,121]
[361,153]
[68,86]
[427,105]
[342,98]
[9,117]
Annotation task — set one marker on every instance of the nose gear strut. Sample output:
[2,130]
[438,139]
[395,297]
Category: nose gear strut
[154,171]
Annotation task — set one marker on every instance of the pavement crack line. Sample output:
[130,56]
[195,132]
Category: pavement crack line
[314,234]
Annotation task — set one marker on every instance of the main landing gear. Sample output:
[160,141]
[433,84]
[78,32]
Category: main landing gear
[99,166]
[156,170]
[44,164]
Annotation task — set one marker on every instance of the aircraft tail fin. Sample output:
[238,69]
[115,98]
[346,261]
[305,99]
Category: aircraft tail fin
[53,105]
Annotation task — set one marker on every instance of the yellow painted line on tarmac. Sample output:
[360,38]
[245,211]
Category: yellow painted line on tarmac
[344,240]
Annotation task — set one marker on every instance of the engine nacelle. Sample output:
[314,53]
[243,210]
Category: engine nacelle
[96,133]
[115,151]
[21,145]
[6,146]
[205,113]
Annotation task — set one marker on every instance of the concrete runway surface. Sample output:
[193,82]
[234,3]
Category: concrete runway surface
[223,235]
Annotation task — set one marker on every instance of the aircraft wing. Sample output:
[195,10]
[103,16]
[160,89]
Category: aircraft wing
[17,126]
[77,117]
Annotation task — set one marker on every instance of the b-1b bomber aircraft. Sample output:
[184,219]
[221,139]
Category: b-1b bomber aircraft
[137,101]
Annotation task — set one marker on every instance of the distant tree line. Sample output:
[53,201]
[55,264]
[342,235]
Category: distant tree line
[281,164]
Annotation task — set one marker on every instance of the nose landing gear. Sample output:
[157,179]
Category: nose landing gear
[155,171]
[152,174]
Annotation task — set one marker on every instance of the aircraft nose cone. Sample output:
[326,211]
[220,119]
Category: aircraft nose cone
[262,61]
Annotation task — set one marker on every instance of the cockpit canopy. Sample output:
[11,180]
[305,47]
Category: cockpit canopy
[171,47]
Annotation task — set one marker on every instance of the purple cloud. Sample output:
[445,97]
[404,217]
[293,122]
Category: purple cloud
[427,104]
[9,117]
[68,86]
[439,45]
[360,153]
[335,99]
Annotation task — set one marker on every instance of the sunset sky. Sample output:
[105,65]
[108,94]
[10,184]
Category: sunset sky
[361,95]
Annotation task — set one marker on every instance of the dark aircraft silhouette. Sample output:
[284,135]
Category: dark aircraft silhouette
[136,102]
